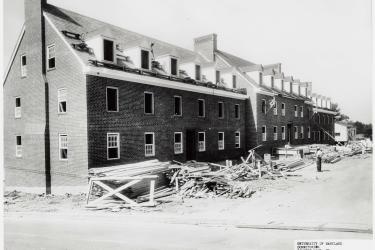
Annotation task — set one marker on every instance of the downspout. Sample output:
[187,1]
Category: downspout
[47,150]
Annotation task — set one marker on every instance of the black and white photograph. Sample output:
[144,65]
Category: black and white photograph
[187,124]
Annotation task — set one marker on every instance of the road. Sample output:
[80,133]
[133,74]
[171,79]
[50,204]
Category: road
[340,197]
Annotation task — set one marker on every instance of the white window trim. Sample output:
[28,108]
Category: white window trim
[283,109]
[239,111]
[204,108]
[182,143]
[19,148]
[295,111]
[275,108]
[234,77]
[295,132]
[153,144]
[283,134]
[113,49]
[144,103]
[58,101]
[17,110]
[302,132]
[106,98]
[221,146]
[203,144]
[67,148]
[170,65]
[308,132]
[275,134]
[180,97]
[23,67]
[118,146]
[149,59]
[301,111]
[47,55]
[239,139]
[200,72]
[221,117]
[265,106]
[264,135]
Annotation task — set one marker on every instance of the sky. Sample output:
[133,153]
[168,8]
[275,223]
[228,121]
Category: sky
[327,42]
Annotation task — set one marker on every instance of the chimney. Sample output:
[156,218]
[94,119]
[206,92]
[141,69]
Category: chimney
[206,46]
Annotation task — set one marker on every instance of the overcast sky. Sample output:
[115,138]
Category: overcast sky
[327,42]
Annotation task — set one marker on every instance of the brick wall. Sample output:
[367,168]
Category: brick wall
[131,122]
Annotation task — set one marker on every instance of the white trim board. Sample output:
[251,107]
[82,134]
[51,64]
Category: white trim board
[325,111]
[14,53]
[120,75]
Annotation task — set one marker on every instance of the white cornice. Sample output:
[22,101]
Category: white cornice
[125,76]
[325,111]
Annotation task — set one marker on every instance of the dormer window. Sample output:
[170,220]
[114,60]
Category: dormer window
[145,59]
[197,72]
[173,66]
[108,50]
[217,77]
[234,81]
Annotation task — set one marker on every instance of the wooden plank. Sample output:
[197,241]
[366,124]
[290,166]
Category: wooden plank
[115,192]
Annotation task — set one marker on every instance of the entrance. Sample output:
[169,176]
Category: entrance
[191,144]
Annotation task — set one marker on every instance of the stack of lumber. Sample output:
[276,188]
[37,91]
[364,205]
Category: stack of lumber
[135,169]
[289,165]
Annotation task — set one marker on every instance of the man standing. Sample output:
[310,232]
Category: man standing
[319,155]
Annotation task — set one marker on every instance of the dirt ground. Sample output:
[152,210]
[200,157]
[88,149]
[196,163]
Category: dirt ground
[339,196]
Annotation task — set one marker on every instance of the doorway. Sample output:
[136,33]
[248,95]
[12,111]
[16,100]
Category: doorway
[191,148]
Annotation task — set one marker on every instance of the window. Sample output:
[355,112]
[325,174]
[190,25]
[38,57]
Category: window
[197,72]
[237,111]
[113,146]
[23,66]
[337,134]
[295,111]
[112,99]
[302,132]
[234,81]
[324,119]
[237,140]
[274,133]
[201,108]
[217,80]
[17,109]
[264,106]
[178,105]
[308,113]
[61,99]
[18,146]
[178,145]
[220,140]
[301,111]
[149,103]
[63,146]
[149,144]
[295,133]
[51,57]
[108,50]
[145,59]
[201,141]
[319,136]
[264,133]
[308,132]
[283,133]
[324,136]
[173,66]
[221,109]
[283,109]
[275,108]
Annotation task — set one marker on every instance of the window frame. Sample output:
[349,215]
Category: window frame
[308,132]
[295,111]
[198,77]
[222,109]
[264,135]
[264,104]
[275,108]
[237,114]
[48,54]
[59,101]
[152,103]
[19,148]
[174,143]
[204,142]
[117,98]
[171,60]
[60,147]
[275,134]
[118,141]
[221,146]
[302,132]
[113,49]
[174,106]
[283,133]
[234,81]
[203,108]
[239,139]
[217,77]
[301,111]
[23,67]
[153,144]
[283,109]
[148,57]
[17,110]
[295,132]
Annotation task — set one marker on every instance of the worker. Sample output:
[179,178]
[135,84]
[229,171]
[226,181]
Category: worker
[319,155]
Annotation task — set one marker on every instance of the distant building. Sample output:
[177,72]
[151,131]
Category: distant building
[344,131]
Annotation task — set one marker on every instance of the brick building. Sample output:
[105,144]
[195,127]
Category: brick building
[80,93]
